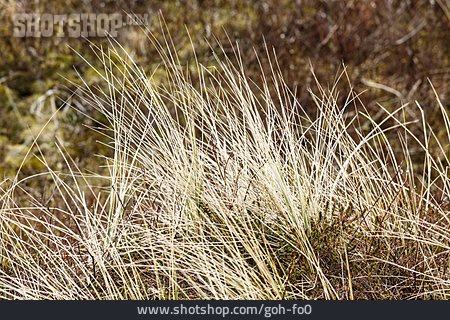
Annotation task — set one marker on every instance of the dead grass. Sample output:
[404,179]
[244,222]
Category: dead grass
[225,189]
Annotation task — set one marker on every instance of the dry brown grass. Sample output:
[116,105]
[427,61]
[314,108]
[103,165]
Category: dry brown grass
[221,188]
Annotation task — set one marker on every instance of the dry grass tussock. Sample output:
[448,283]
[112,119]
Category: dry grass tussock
[223,188]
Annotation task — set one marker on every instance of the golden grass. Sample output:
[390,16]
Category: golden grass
[220,188]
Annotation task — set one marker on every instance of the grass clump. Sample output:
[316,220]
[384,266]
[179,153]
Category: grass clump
[223,187]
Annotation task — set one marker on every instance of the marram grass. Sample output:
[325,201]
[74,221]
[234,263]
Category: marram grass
[222,188]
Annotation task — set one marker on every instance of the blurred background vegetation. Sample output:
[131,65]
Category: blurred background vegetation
[390,49]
